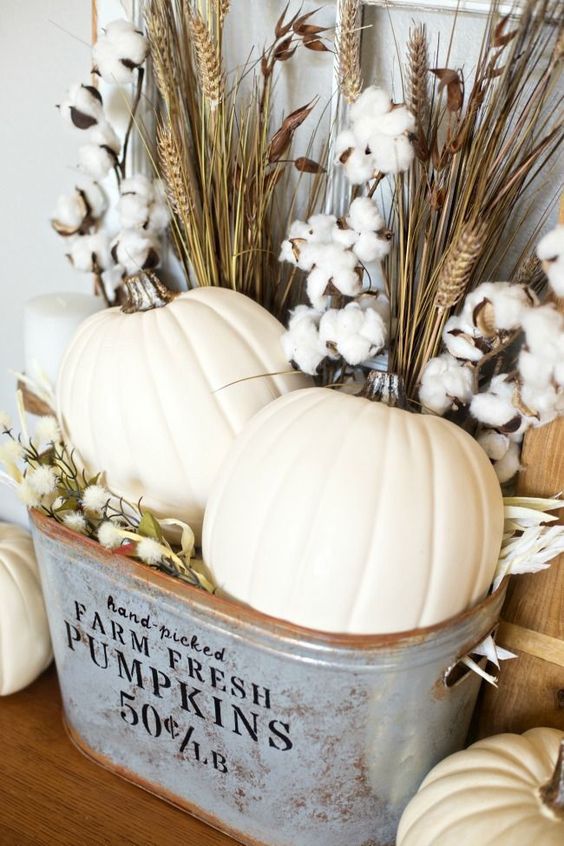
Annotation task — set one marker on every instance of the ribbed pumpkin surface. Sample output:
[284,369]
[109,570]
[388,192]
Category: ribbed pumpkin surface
[25,645]
[156,398]
[345,515]
[488,795]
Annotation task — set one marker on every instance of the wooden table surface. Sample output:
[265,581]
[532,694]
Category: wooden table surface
[51,795]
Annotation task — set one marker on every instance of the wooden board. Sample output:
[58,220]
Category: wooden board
[53,796]
[531,688]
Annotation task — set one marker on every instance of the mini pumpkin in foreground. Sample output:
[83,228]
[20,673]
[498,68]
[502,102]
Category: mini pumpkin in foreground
[345,515]
[155,396]
[506,790]
[25,644]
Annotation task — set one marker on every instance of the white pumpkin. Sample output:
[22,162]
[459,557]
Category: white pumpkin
[345,515]
[25,645]
[506,790]
[155,397]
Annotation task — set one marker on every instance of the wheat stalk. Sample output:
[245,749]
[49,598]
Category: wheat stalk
[171,162]
[460,261]
[208,60]
[417,98]
[347,44]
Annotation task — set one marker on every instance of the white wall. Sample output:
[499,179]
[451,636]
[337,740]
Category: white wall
[37,62]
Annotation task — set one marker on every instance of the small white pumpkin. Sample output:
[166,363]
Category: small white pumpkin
[506,790]
[25,645]
[345,515]
[155,396]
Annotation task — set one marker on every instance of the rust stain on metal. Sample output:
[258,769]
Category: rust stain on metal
[273,733]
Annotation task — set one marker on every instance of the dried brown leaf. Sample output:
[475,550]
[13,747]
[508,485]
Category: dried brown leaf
[283,47]
[299,22]
[501,39]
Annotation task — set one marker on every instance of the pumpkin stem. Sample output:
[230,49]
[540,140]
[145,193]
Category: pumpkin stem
[145,291]
[552,793]
[384,387]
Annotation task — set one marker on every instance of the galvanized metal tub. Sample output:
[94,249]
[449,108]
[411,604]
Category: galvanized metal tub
[275,734]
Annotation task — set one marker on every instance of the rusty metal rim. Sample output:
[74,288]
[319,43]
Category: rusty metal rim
[230,609]
[159,792]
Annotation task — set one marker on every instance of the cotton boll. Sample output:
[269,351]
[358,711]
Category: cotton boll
[344,141]
[70,213]
[321,227]
[299,229]
[391,155]
[159,217]
[494,444]
[355,349]
[445,380]
[364,215]
[309,254]
[345,237]
[546,401]
[112,279]
[378,302]
[287,252]
[82,107]
[119,51]
[509,465]
[371,247]
[316,285]
[301,343]
[91,252]
[136,250]
[359,167]
[550,251]
[104,135]
[373,101]
[509,304]
[364,128]
[140,185]
[133,211]
[459,341]
[95,197]
[396,122]
[95,161]
[492,409]
[534,370]
[348,282]
[544,332]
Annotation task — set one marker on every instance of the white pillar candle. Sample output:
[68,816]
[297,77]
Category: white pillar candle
[50,322]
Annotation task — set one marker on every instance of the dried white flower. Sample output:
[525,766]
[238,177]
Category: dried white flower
[550,251]
[91,252]
[444,382]
[27,494]
[136,250]
[110,535]
[95,498]
[149,551]
[76,521]
[42,479]
[82,107]
[11,450]
[47,430]
[301,343]
[359,166]
[119,52]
